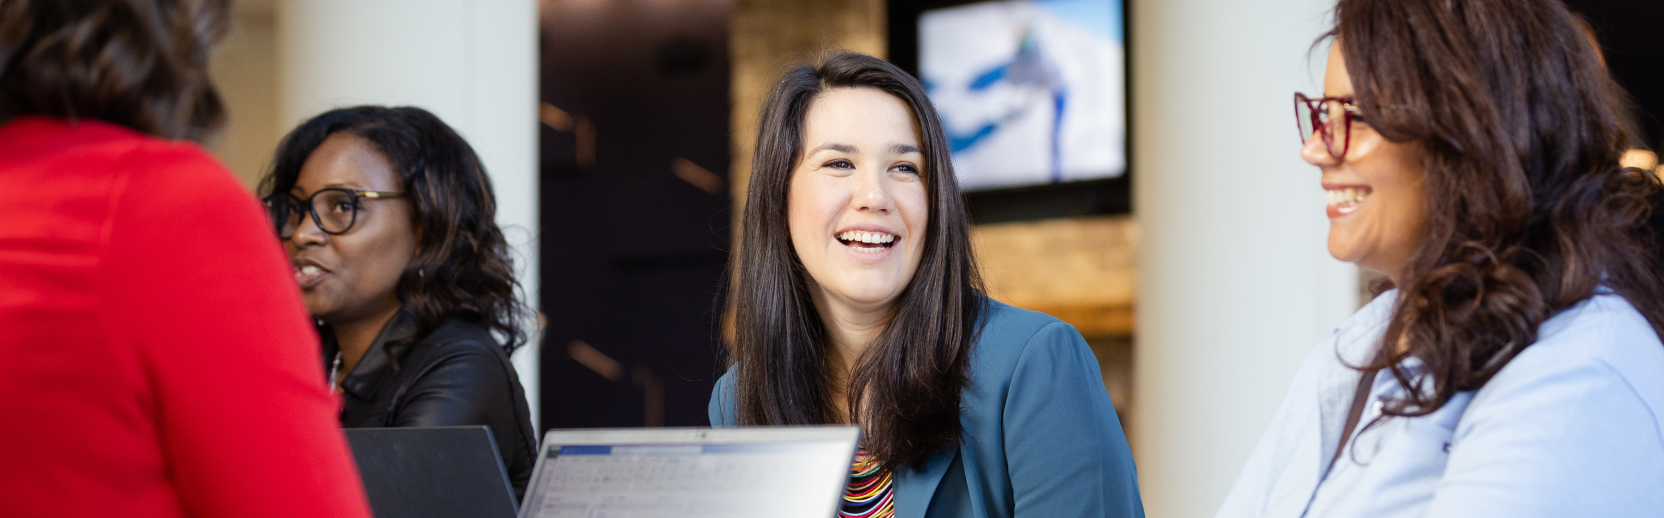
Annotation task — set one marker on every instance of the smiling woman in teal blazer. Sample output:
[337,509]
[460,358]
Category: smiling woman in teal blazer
[857,300]
[1041,438]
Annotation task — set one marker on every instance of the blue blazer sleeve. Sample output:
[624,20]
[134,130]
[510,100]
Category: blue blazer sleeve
[721,408]
[1065,450]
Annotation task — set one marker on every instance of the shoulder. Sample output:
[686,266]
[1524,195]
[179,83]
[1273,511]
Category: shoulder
[171,169]
[1602,334]
[135,177]
[164,186]
[1602,328]
[1012,339]
[460,335]
[721,408]
[1007,330]
[459,345]
[1005,323]
[1598,354]
[179,173]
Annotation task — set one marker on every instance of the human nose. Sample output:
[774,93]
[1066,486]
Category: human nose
[872,193]
[307,231]
[1316,152]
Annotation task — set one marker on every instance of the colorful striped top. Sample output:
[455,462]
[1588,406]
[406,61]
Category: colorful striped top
[869,494]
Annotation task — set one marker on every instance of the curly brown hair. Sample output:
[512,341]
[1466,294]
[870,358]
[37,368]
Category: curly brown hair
[463,268]
[137,63]
[1528,210]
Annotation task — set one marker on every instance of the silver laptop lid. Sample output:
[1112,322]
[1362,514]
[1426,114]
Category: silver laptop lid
[773,472]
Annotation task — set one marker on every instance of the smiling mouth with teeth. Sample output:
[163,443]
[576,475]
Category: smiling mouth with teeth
[307,275]
[1345,200]
[864,241]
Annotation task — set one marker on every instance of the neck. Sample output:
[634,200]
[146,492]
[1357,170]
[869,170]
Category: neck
[355,336]
[850,331]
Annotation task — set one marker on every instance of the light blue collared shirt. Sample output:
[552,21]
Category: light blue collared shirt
[1573,426]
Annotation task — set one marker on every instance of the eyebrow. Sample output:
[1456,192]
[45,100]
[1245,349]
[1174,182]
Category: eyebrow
[841,148]
[899,149]
[336,185]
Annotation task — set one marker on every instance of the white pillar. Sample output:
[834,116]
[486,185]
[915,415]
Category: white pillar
[474,64]
[1236,281]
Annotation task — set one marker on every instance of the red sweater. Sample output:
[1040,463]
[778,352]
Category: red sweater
[155,357]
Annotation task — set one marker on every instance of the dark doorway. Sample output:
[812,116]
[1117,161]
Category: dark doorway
[635,209]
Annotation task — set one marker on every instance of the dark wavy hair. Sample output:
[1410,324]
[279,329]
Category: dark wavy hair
[1528,211]
[905,389]
[462,268]
[142,64]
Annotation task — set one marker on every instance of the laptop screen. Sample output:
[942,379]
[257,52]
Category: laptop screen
[761,472]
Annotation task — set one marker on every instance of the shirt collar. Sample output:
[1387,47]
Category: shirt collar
[366,376]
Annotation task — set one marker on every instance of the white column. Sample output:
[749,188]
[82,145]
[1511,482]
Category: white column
[474,64]
[1236,281]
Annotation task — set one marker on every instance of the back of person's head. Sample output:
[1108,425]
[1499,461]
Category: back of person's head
[905,390]
[142,64]
[1520,128]
[462,266]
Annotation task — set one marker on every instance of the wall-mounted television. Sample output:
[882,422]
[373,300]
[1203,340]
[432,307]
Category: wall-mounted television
[1032,95]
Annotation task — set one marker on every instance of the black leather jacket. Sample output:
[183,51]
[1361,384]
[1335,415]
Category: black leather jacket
[456,376]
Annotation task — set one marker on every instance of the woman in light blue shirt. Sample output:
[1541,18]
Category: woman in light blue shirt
[856,300]
[1470,152]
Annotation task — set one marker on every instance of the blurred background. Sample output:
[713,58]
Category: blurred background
[1132,169]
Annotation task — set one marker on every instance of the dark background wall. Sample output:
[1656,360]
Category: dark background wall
[1629,32]
[635,209]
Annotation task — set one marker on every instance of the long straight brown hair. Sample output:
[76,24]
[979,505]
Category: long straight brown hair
[905,390]
[1528,211]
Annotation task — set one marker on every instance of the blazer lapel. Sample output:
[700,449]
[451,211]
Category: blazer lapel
[914,488]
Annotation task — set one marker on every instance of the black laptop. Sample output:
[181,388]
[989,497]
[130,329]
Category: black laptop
[439,472]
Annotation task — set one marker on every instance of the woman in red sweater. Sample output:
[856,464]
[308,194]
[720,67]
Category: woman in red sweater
[157,361]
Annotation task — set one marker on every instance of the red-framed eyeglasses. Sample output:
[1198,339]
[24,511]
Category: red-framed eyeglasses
[1319,117]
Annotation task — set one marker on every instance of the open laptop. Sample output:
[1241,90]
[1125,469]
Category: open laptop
[448,471]
[772,472]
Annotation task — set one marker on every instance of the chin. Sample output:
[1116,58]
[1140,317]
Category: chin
[1344,247]
[320,309]
[1343,255]
[868,295]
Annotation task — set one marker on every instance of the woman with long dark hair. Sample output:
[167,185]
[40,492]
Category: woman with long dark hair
[390,224]
[857,300]
[1471,154]
[155,360]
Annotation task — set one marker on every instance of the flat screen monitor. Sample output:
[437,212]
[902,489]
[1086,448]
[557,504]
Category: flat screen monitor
[1029,92]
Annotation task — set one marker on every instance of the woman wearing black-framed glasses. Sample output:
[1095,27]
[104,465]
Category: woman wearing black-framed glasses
[389,221]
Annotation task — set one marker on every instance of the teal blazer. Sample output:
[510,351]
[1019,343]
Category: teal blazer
[1041,437]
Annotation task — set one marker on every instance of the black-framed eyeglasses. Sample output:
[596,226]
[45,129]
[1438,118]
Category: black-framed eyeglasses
[1329,117]
[333,209]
